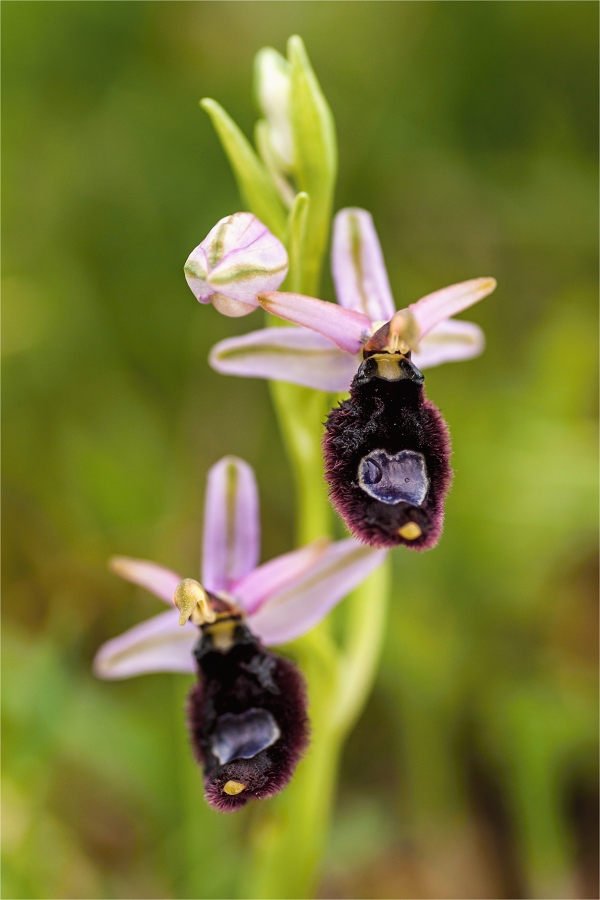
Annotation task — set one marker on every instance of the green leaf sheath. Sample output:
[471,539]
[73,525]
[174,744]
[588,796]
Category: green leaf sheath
[315,157]
[297,222]
[253,179]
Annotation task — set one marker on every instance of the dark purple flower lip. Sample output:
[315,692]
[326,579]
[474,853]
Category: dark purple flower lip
[247,715]
[387,452]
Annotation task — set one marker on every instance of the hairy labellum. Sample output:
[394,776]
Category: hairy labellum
[246,715]
[387,452]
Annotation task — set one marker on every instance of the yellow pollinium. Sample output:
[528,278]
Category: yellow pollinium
[192,601]
[233,787]
[404,332]
[410,531]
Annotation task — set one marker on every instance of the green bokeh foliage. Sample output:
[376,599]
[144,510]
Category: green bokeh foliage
[469,131]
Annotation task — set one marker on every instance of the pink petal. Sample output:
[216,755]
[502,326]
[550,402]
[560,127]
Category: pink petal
[434,308]
[159,644]
[359,272]
[296,355]
[231,524]
[345,327]
[149,575]
[271,577]
[295,609]
[449,341]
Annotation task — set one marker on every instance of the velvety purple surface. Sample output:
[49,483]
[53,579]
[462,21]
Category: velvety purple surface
[391,416]
[247,677]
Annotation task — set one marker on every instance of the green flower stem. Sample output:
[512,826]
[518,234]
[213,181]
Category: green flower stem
[301,413]
[366,613]
[288,839]
[289,832]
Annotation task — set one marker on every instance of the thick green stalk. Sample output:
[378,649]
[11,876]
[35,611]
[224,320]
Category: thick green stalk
[289,838]
[301,413]
[289,833]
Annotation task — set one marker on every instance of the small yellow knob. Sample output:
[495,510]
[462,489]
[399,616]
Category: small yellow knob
[410,531]
[234,787]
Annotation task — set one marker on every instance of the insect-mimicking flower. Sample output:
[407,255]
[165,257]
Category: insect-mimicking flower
[247,712]
[387,448]
[237,260]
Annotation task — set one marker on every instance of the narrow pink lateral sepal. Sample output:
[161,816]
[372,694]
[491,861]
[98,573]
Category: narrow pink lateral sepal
[296,355]
[159,644]
[160,581]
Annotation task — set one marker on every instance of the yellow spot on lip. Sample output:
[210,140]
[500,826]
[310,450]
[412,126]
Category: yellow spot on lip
[234,787]
[410,531]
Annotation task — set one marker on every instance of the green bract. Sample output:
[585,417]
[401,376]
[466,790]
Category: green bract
[297,156]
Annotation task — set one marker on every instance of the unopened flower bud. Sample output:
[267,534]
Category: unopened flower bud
[273,82]
[236,261]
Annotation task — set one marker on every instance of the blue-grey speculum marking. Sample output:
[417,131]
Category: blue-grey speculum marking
[394,478]
[244,735]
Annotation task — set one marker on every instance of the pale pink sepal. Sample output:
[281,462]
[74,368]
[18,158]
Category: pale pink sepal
[295,609]
[434,308]
[450,341]
[359,273]
[252,591]
[295,355]
[231,543]
[237,260]
[159,644]
[345,327]
[146,574]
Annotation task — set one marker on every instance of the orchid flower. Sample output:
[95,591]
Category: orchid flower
[247,712]
[325,351]
[387,448]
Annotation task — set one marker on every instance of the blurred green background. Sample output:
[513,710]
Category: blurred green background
[469,129]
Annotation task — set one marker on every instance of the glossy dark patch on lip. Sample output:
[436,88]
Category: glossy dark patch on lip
[243,735]
[394,478]
[390,417]
[247,719]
